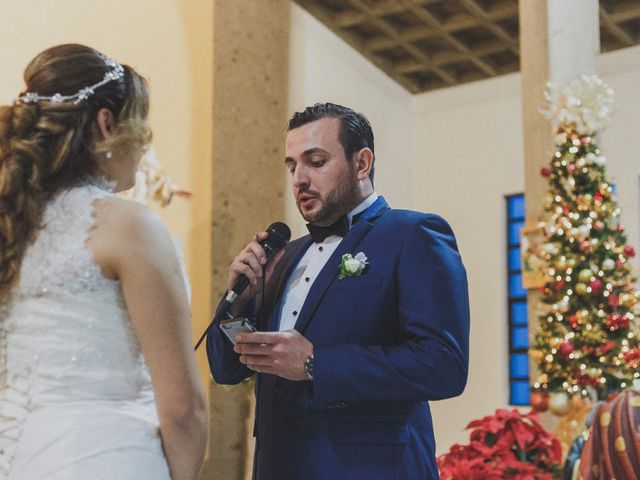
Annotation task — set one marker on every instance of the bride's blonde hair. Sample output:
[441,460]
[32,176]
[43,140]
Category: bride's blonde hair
[46,146]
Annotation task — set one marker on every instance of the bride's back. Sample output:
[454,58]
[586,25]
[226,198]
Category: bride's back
[68,323]
[72,368]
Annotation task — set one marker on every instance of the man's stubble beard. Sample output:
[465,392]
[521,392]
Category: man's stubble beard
[339,201]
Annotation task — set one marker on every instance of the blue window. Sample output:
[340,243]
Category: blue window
[517,302]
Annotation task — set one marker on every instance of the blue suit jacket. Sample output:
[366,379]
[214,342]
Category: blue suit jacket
[385,343]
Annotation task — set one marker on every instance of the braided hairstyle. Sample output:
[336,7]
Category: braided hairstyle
[46,147]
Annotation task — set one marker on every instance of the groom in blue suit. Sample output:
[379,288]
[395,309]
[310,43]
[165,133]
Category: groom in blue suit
[360,323]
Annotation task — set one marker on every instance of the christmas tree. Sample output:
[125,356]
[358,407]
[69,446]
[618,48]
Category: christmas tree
[588,343]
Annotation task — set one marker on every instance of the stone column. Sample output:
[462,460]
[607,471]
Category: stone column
[251,48]
[559,41]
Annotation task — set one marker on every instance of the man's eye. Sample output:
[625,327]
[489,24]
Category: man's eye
[318,163]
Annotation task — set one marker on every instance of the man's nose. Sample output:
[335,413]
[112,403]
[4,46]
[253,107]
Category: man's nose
[300,177]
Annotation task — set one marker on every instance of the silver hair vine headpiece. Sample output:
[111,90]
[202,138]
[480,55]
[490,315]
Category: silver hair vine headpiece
[116,73]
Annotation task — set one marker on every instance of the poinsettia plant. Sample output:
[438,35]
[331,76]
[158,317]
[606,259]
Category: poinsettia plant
[505,445]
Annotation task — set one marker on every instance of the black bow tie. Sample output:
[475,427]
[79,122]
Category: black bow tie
[338,228]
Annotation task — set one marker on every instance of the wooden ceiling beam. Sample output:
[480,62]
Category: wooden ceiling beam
[485,20]
[389,7]
[432,22]
[409,47]
[324,16]
[623,12]
[456,23]
[447,57]
[415,67]
[615,29]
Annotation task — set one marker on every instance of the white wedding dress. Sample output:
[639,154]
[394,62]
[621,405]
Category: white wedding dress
[75,395]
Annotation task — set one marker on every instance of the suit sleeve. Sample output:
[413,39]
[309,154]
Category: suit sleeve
[433,311]
[224,363]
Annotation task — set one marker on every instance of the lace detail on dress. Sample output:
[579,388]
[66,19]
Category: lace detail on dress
[58,261]
[65,334]
[15,404]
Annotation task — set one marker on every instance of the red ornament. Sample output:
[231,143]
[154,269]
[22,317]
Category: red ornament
[566,210]
[605,347]
[545,171]
[632,355]
[573,321]
[616,321]
[566,349]
[571,168]
[620,228]
[613,300]
[629,251]
[558,285]
[588,350]
[598,197]
[596,286]
[585,246]
[539,401]
[584,378]
[598,225]
[619,264]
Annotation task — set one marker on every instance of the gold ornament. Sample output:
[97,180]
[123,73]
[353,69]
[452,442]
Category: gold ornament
[559,403]
[536,356]
[573,424]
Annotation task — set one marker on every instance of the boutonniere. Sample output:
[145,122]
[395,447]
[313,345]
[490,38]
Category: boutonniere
[351,266]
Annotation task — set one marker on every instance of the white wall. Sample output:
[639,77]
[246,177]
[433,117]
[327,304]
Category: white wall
[469,155]
[457,152]
[620,142]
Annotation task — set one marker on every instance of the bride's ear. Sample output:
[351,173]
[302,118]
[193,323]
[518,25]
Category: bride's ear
[105,123]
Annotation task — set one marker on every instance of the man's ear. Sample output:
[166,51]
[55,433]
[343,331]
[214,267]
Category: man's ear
[105,123]
[364,162]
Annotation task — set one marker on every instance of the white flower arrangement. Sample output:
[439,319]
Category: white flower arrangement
[586,103]
[352,266]
[153,183]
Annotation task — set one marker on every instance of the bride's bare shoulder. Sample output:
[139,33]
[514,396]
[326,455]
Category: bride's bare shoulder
[126,231]
[126,218]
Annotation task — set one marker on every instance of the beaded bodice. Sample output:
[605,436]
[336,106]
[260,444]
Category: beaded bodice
[65,334]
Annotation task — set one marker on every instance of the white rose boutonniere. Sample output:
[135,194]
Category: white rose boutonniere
[352,266]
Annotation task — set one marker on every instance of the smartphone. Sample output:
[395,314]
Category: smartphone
[233,326]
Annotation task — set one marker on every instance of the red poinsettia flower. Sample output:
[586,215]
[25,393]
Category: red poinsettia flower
[505,445]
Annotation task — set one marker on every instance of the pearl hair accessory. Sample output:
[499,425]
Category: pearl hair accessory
[116,73]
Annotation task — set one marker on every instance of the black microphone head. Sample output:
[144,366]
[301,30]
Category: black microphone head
[279,235]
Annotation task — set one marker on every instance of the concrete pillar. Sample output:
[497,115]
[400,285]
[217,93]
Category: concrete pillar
[559,41]
[251,42]
[574,38]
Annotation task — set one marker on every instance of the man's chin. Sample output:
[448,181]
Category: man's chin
[309,216]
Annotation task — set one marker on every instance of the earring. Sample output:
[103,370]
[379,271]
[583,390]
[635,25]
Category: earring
[108,155]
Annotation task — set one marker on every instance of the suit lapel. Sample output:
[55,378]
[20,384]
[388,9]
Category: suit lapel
[330,271]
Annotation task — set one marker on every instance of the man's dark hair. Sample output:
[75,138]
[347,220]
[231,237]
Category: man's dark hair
[355,130]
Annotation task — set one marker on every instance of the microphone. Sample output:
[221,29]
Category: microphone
[279,235]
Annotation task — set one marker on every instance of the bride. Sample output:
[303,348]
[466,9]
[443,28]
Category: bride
[97,376]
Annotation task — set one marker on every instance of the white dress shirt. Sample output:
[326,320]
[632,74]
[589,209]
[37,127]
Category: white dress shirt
[308,269]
